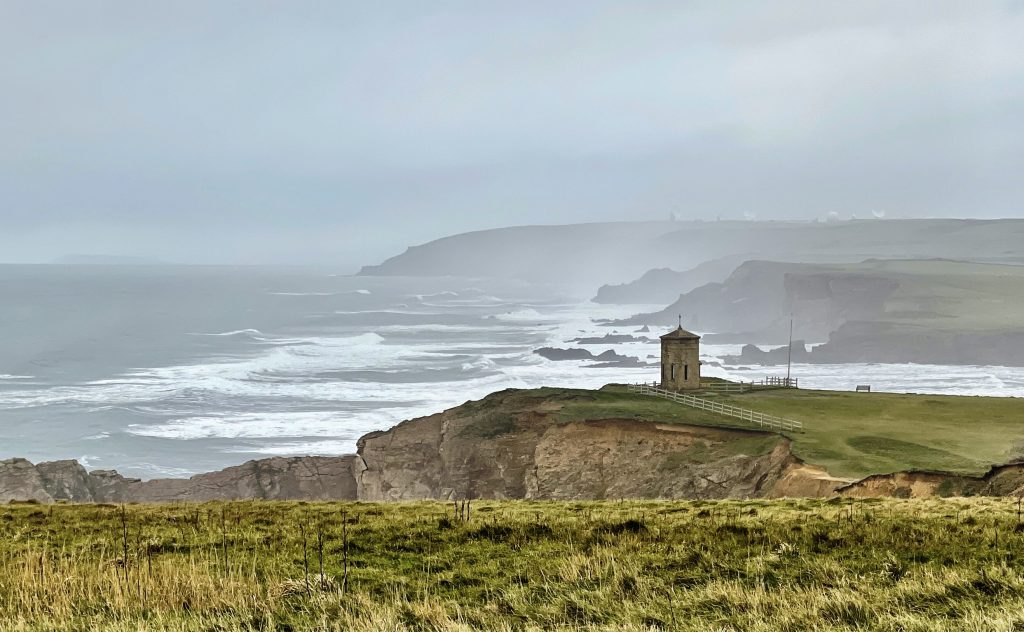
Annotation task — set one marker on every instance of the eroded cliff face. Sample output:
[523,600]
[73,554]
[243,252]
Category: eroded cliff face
[1000,480]
[505,447]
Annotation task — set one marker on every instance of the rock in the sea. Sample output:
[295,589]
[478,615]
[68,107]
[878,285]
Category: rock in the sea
[605,359]
[752,354]
[610,339]
[552,353]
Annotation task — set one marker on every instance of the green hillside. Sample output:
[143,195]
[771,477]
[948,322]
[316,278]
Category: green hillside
[852,434]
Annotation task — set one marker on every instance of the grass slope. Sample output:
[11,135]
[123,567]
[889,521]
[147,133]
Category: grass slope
[722,566]
[851,434]
[856,434]
[951,295]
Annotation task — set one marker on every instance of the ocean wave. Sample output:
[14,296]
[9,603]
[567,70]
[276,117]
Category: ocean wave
[436,295]
[346,293]
[247,333]
[6,376]
[87,460]
[294,424]
[326,447]
[164,471]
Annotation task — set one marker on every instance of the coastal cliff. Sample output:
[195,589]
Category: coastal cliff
[540,444]
[884,311]
[527,452]
[512,444]
[294,478]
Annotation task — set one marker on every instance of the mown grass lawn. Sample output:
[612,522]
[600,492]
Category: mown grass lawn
[727,565]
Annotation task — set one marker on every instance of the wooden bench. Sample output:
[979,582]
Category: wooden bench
[863,388]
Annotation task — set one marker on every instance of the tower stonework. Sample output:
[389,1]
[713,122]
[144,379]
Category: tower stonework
[680,360]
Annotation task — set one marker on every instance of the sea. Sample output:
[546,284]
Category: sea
[167,371]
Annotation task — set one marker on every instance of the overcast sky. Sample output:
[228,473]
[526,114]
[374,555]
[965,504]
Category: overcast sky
[341,132]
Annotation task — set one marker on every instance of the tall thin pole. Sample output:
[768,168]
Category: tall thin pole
[789,358]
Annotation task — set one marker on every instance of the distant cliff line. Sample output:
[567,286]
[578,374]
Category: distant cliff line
[619,252]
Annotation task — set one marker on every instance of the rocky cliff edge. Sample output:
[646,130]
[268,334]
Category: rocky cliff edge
[512,444]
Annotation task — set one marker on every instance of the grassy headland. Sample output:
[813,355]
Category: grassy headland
[850,434]
[727,565]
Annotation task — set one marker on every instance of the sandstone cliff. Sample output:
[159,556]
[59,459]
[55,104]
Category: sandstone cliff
[526,451]
[1000,480]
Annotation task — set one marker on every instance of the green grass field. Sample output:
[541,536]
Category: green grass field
[850,434]
[856,434]
[708,566]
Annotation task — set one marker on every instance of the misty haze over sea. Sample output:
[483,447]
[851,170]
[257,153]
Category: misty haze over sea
[173,370]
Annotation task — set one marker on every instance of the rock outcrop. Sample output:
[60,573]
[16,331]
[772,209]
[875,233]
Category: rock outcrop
[20,480]
[295,478]
[752,354]
[605,359]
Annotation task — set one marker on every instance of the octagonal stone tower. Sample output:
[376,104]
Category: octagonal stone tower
[680,360]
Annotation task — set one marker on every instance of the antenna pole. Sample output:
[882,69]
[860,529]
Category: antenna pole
[789,356]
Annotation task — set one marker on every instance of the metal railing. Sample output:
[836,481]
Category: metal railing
[761,419]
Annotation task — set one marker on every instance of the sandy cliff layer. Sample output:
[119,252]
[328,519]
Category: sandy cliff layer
[1000,480]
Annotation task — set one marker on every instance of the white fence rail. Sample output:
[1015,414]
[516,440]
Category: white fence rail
[761,419]
[746,387]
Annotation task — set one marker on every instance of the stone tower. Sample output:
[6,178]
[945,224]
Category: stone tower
[680,360]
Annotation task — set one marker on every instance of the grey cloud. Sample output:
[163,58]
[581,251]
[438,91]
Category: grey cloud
[343,132]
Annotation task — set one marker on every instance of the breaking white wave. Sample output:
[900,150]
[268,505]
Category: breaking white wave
[87,460]
[528,315]
[165,471]
[266,425]
[326,447]
[249,333]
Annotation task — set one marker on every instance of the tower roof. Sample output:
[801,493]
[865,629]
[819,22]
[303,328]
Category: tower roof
[680,334]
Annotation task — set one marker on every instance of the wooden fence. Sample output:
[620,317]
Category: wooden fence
[746,387]
[761,419]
